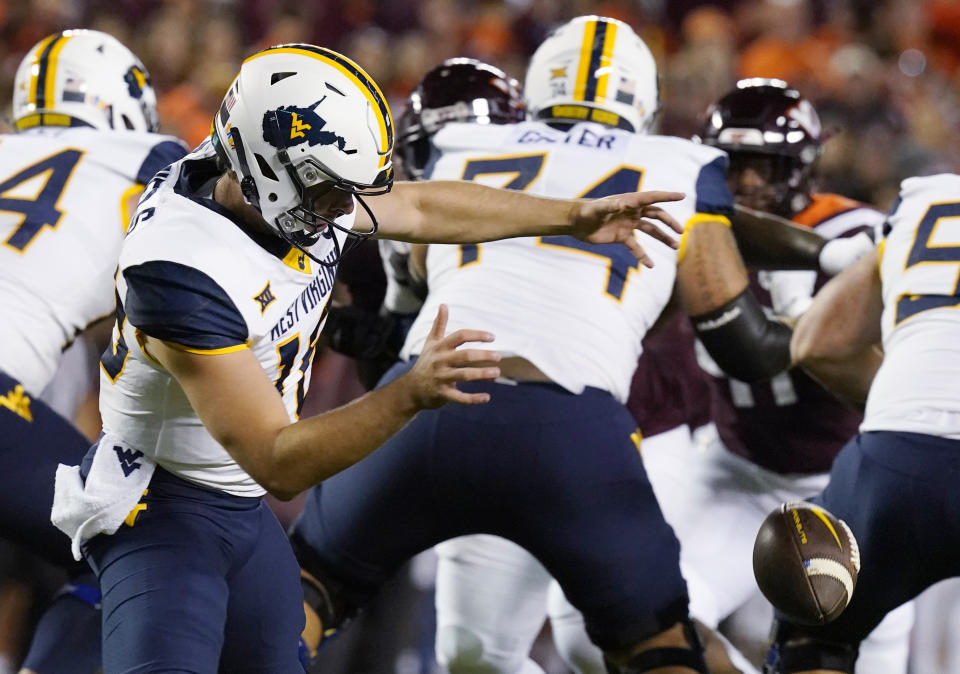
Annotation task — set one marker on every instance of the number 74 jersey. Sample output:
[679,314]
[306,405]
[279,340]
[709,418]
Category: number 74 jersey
[577,311]
[916,389]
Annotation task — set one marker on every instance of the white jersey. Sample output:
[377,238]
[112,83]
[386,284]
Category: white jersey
[916,388]
[63,192]
[192,277]
[577,311]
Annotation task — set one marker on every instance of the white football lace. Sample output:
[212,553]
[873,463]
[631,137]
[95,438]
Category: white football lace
[828,567]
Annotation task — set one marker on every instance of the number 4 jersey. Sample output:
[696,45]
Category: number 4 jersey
[577,311]
[194,277]
[63,195]
[916,389]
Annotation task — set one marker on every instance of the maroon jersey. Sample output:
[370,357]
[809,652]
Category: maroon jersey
[790,424]
[669,388]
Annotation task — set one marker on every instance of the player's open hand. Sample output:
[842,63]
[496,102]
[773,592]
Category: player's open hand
[440,366]
[614,219]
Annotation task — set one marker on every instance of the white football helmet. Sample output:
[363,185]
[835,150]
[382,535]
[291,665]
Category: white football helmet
[83,78]
[296,116]
[597,69]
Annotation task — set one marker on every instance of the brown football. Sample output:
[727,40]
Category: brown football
[806,563]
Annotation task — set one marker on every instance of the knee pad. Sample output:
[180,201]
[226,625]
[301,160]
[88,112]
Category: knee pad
[794,650]
[671,656]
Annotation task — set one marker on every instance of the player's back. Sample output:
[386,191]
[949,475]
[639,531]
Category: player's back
[915,389]
[577,311]
[63,196]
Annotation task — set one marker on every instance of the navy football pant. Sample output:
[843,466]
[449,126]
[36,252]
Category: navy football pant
[202,582]
[555,472]
[33,440]
[67,638]
[898,493]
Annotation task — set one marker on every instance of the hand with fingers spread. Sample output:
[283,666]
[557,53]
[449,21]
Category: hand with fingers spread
[433,379]
[615,219]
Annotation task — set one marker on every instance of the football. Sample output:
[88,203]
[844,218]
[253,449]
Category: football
[806,563]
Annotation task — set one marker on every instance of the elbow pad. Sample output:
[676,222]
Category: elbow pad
[745,344]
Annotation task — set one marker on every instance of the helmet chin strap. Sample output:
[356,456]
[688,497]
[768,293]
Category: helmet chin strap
[303,242]
[298,239]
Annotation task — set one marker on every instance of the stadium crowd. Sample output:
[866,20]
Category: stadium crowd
[884,76]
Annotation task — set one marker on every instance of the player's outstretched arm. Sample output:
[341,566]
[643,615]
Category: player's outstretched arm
[836,340]
[768,241]
[462,212]
[241,408]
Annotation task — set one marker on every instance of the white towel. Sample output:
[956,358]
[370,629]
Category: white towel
[117,479]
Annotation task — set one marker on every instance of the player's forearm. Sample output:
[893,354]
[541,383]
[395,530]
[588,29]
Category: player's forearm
[461,212]
[311,450]
[849,378]
[770,242]
[844,319]
[240,407]
[837,339]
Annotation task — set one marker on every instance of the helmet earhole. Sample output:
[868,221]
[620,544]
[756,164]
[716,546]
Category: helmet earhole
[272,196]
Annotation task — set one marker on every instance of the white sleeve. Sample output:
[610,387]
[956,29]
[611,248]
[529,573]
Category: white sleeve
[838,254]
[401,296]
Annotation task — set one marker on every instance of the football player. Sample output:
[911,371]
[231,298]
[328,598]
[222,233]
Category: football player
[459,89]
[773,440]
[85,143]
[224,278]
[551,463]
[897,475]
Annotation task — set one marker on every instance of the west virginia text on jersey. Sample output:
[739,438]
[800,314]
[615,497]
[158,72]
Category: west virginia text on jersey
[175,284]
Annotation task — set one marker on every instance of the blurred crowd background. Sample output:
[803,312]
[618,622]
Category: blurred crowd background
[884,75]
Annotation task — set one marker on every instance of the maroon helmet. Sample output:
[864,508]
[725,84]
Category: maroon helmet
[766,126]
[458,90]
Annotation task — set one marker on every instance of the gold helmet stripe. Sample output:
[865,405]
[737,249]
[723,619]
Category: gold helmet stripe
[583,68]
[596,51]
[606,54]
[44,79]
[357,75]
[35,69]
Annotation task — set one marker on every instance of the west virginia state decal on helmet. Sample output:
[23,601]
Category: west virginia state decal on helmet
[290,125]
[299,117]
